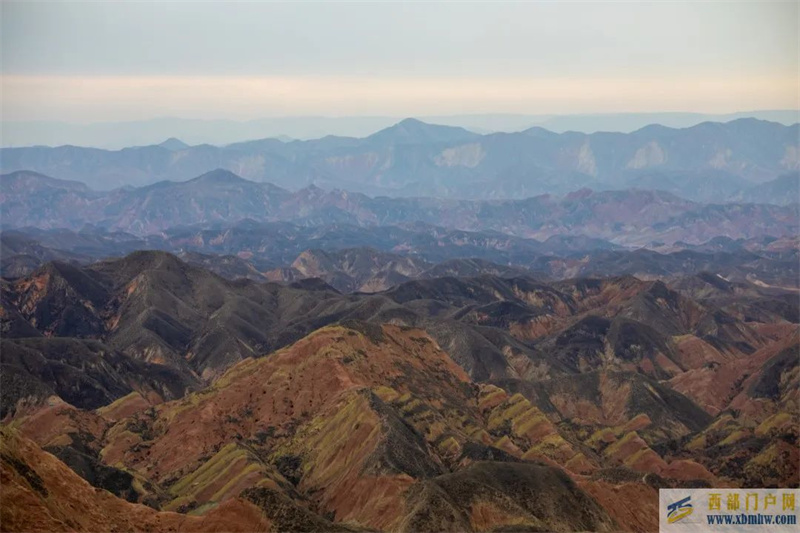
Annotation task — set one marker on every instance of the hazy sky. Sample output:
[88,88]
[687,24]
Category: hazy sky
[95,61]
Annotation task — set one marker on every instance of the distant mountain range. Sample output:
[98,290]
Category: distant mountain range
[707,162]
[116,135]
[628,217]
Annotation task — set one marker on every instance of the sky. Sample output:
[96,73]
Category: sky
[108,61]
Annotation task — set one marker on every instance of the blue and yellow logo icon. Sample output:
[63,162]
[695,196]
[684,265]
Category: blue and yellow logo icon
[679,510]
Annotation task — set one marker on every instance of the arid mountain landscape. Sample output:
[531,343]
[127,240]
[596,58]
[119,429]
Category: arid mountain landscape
[399,267]
[444,403]
[220,353]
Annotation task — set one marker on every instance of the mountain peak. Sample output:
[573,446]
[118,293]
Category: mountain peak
[219,175]
[414,131]
[174,144]
[538,131]
[412,122]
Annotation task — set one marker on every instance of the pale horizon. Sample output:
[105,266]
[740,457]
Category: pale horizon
[124,98]
[85,62]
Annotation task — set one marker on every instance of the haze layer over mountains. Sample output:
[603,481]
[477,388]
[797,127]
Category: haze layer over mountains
[118,135]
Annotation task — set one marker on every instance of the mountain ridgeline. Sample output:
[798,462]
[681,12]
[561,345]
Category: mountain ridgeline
[707,162]
[630,217]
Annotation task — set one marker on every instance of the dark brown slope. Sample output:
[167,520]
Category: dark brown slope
[85,373]
[153,307]
[20,255]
